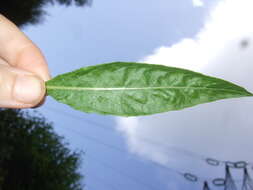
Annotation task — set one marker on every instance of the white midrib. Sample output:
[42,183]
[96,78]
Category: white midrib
[136,88]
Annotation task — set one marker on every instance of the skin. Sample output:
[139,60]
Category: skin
[23,69]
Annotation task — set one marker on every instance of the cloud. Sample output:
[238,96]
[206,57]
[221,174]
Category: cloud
[197,3]
[223,129]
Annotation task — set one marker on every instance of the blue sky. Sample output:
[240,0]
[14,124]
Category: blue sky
[108,31]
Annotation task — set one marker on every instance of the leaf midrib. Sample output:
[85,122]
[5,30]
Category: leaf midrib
[139,88]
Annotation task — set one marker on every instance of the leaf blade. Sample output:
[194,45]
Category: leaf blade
[132,89]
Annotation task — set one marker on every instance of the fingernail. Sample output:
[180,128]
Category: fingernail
[28,89]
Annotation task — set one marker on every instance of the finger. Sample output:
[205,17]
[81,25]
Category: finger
[19,89]
[19,51]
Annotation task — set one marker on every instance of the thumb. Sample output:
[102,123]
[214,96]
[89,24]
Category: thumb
[19,89]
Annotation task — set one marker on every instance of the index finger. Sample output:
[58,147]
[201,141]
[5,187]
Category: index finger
[19,51]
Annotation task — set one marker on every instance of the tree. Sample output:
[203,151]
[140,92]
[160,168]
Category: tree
[23,12]
[33,157]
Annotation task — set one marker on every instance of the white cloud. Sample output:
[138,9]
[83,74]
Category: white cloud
[222,129]
[197,3]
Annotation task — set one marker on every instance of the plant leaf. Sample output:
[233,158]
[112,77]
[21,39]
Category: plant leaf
[133,89]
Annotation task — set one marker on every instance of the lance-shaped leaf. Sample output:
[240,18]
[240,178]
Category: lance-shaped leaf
[132,89]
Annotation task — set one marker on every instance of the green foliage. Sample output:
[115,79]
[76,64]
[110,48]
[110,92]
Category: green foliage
[23,12]
[33,157]
[132,89]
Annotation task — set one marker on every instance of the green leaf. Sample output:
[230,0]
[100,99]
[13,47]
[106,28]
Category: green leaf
[133,89]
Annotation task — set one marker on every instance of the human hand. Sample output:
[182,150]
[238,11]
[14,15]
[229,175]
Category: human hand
[23,69]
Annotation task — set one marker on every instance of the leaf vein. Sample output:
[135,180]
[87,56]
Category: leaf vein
[136,88]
